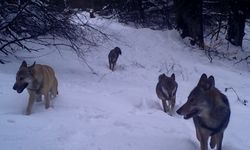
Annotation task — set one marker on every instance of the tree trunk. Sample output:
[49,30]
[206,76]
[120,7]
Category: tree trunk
[189,20]
[236,22]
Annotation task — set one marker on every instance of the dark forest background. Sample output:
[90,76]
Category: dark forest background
[24,21]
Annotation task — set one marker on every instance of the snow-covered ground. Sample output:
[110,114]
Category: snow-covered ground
[119,110]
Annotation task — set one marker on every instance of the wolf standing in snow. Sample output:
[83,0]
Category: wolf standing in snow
[39,80]
[210,111]
[113,56]
[166,91]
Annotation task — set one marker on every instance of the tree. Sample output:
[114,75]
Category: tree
[236,22]
[189,20]
[45,23]
[155,14]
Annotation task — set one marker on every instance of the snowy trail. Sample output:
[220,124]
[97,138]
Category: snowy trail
[119,110]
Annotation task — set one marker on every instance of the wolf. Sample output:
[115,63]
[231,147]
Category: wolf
[210,111]
[113,56]
[166,91]
[39,80]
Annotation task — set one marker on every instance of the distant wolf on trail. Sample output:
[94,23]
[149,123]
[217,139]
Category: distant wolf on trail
[113,56]
[210,111]
[39,80]
[166,91]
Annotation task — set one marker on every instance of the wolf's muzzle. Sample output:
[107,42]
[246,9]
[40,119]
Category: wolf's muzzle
[20,88]
[14,87]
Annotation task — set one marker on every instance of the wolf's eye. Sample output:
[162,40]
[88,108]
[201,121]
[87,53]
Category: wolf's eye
[21,78]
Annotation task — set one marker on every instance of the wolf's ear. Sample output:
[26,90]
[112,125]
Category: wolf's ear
[203,80]
[119,50]
[206,83]
[162,76]
[31,67]
[24,64]
[211,82]
[173,76]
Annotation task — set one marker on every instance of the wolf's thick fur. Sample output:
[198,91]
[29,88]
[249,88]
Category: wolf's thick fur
[210,111]
[39,80]
[166,91]
[113,56]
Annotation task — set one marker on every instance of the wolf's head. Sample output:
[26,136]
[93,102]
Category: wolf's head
[168,85]
[198,102]
[23,77]
[118,50]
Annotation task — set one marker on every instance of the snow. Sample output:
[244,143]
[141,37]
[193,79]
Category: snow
[119,110]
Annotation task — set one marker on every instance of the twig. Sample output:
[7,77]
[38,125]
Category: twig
[45,24]
[242,101]
[242,59]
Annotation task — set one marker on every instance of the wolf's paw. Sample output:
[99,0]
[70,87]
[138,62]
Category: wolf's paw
[212,142]
[27,113]
[46,106]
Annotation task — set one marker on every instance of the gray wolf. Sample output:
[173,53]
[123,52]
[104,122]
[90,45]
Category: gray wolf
[166,91]
[113,56]
[39,80]
[210,111]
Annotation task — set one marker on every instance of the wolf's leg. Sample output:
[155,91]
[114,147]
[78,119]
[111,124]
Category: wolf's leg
[52,93]
[203,140]
[39,98]
[164,104]
[218,139]
[30,103]
[172,103]
[113,66]
[110,64]
[213,141]
[55,88]
[198,136]
[168,109]
[47,100]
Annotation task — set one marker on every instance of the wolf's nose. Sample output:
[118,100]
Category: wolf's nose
[14,87]
[178,111]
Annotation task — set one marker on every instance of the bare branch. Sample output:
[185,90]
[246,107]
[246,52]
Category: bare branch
[45,24]
[242,101]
